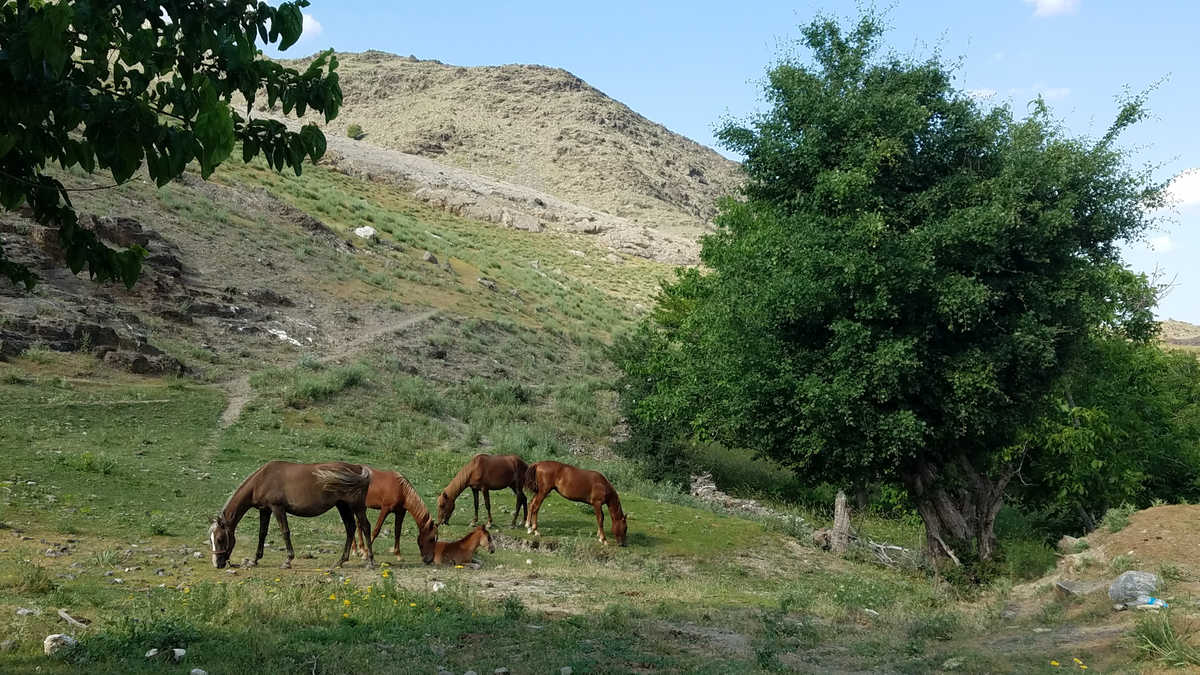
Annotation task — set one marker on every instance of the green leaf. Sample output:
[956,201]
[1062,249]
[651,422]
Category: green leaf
[289,22]
[314,141]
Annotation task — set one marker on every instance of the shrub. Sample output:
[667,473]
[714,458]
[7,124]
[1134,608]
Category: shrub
[354,131]
[1117,518]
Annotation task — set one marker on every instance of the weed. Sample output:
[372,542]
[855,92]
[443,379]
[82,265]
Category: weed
[1158,639]
[1117,518]
[90,462]
[1171,572]
[33,579]
[1122,563]
[39,354]
[514,609]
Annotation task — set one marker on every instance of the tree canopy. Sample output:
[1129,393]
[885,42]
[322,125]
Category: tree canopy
[907,275]
[117,85]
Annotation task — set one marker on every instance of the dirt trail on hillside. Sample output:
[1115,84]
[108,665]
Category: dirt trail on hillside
[240,393]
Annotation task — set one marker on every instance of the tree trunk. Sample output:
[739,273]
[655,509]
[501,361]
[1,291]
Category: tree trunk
[959,515]
[839,539]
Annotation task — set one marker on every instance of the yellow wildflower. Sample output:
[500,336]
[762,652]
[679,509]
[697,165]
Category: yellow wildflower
[1082,667]
[412,604]
[346,603]
[276,579]
[187,589]
[1054,663]
[345,615]
[332,596]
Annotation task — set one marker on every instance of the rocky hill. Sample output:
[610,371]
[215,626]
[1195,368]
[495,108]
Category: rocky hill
[1180,333]
[538,127]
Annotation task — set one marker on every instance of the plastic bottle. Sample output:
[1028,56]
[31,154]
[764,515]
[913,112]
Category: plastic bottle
[1148,602]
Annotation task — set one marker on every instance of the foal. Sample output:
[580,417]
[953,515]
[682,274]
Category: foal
[461,551]
[391,492]
[305,490]
[577,485]
[485,472]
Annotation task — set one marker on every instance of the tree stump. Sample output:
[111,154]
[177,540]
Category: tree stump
[839,538]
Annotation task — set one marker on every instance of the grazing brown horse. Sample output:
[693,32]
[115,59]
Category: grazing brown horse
[391,492]
[577,485]
[461,551]
[303,490]
[485,472]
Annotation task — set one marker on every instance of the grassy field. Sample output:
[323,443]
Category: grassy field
[108,481]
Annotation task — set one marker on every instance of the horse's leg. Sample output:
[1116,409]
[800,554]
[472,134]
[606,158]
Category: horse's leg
[487,504]
[281,516]
[364,528]
[521,503]
[475,493]
[531,526]
[600,521]
[399,522]
[347,520]
[383,514]
[264,522]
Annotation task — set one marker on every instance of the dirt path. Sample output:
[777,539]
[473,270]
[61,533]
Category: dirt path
[239,392]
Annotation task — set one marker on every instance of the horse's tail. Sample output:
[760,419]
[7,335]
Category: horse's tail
[531,478]
[350,478]
[522,473]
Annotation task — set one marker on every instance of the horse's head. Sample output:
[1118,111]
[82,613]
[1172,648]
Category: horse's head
[220,535]
[426,542]
[487,534]
[618,527]
[445,508]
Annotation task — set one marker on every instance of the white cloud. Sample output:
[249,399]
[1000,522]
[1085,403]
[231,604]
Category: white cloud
[312,27]
[1162,244]
[981,94]
[1184,189]
[1054,7]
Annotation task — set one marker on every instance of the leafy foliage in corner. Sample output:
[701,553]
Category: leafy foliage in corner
[117,85]
[907,278]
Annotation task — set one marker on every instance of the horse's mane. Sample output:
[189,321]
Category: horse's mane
[614,504]
[414,504]
[225,509]
[343,478]
[459,482]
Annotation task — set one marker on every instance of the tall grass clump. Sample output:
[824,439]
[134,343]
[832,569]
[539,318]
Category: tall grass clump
[1158,639]
[313,387]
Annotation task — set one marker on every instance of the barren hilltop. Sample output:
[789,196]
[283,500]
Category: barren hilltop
[537,127]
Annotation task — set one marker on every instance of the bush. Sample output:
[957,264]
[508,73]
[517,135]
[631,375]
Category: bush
[354,131]
[1159,640]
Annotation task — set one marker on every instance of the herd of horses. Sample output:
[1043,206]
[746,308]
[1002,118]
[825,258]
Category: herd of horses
[281,489]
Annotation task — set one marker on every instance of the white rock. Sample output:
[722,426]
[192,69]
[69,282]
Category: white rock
[501,671]
[24,611]
[565,670]
[177,654]
[152,653]
[470,672]
[58,641]
[437,586]
[197,671]
[528,561]
[197,555]
[366,232]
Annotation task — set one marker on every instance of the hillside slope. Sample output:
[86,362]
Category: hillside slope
[538,127]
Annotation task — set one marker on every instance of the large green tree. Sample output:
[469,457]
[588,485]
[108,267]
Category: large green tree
[117,84]
[905,278]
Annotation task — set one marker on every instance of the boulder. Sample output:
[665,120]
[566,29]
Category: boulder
[429,257]
[1068,544]
[1078,589]
[365,232]
[1130,585]
[56,643]
[487,283]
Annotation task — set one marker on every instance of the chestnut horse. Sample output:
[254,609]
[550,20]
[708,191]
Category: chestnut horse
[577,485]
[461,551]
[391,492]
[303,490]
[485,472]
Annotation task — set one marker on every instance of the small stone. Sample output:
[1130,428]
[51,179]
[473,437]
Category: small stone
[109,573]
[443,671]
[528,561]
[365,232]
[152,653]
[429,257]
[57,642]
[197,555]
[952,664]
[197,671]
[118,580]
[8,645]
[177,654]
[501,671]
[470,672]
[1041,630]
[24,611]
[437,586]
[160,572]
[565,670]
[487,283]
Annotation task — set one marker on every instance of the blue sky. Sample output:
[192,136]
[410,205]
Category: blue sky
[687,65]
